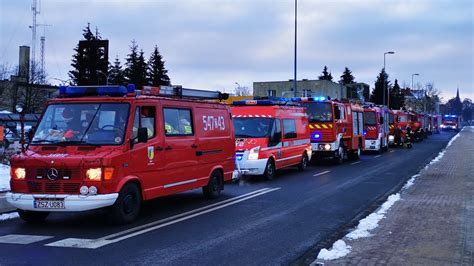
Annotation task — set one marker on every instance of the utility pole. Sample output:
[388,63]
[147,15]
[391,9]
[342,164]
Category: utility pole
[295,59]
[35,10]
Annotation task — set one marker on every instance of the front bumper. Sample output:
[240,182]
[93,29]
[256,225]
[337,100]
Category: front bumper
[72,203]
[244,166]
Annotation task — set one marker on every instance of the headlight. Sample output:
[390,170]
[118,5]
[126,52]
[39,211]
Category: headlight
[327,147]
[18,173]
[253,154]
[391,138]
[94,174]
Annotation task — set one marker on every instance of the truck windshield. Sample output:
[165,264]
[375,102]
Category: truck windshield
[83,123]
[370,118]
[253,127]
[318,111]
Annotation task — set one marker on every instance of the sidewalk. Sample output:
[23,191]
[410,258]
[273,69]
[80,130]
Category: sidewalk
[433,223]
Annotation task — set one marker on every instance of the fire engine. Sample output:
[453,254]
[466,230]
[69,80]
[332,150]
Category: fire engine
[376,128]
[336,127]
[392,125]
[451,122]
[402,120]
[270,135]
[113,147]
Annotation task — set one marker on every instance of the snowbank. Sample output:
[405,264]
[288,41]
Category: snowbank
[8,216]
[338,250]
[4,177]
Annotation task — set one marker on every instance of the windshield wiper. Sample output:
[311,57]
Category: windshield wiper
[43,141]
[75,142]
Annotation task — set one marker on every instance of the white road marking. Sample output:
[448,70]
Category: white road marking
[103,241]
[22,239]
[377,156]
[355,162]
[322,173]
[392,150]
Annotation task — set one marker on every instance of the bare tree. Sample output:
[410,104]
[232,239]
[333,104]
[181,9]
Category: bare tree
[425,98]
[242,91]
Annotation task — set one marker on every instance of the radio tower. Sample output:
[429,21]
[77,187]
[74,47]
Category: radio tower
[34,9]
[42,74]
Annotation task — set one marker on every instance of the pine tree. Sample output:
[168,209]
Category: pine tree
[157,74]
[116,76]
[86,63]
[326,75]
[397,100]
[377,92]
[346,77]
[135,67]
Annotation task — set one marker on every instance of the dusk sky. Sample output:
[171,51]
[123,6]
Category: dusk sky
[213,44]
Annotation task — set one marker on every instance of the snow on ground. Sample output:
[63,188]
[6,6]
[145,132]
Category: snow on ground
[8,216]
[338,250]
[341,249]
[4,177]
[372,221]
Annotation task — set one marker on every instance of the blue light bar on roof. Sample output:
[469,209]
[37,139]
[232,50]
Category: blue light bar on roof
[310,99]
[78,91]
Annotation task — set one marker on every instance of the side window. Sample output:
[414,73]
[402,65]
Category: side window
[147,119]
[289,128]
[343,112]
[178,122]
[145,116]
[276,134]
[355,128]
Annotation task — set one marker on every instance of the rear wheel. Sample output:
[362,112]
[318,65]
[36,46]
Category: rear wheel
[269,173]
[304,162]
[127,206]
[355,155]
[214,186]
[32,216]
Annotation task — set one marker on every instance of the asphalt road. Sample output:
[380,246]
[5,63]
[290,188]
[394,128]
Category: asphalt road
[255,222]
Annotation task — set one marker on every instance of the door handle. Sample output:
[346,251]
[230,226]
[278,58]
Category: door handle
[194,146]
[168,148]
[159,148]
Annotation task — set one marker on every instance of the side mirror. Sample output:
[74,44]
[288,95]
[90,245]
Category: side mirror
[142,136]
[337,113]
[381,120]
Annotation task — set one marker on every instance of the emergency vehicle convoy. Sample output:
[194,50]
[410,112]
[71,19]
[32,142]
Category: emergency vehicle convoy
[451,122]
[269,135]
[376,128]
[336,127]
[112,146]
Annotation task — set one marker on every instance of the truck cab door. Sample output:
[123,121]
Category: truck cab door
[146,159]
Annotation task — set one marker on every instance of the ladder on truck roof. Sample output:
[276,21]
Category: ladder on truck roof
[180,92]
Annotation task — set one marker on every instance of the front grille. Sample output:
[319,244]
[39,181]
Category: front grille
[49,187]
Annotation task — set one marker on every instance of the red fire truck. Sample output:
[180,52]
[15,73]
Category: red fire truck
[376,128]
[451,122]
[270,135]
[336,127]
[416,126]
[402,121]
[109,146]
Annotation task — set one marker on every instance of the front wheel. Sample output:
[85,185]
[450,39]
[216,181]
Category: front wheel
[339,155]
[355,155]
[214,186]
[304,162]
[127,206]
[32,216]
[269,173]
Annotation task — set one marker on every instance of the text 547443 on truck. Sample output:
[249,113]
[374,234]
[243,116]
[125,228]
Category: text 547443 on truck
[112,147]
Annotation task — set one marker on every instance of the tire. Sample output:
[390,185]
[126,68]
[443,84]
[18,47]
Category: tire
[127,206]
[380,151]
[355,155]
[214,186]
[270,170]
[339,156]
[304,162]
[32,216]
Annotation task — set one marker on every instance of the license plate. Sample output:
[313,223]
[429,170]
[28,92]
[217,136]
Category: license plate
[48,204]
[372,147]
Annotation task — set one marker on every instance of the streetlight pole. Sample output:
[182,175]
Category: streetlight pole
[105,75]
[384,78]
[294,80]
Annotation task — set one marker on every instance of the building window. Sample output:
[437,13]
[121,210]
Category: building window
[272,93]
